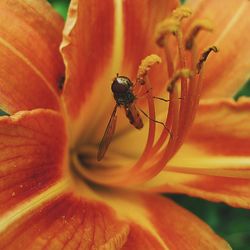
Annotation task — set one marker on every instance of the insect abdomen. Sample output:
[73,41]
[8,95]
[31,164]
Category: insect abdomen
[134,116]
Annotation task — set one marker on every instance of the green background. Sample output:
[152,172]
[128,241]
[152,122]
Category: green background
[230,223]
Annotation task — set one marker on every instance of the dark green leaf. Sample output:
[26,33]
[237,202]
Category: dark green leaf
[244,91]
[61,6]
[2,113]
[232,224]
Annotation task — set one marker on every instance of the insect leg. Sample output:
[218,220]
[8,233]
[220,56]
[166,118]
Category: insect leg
[155,97]
[158,98]
[165,100]
[170,133]
[143,95]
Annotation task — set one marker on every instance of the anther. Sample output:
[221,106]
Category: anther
[204,57]
[181,12]
[185,73]
[198,25]
[164,28]
[145,66]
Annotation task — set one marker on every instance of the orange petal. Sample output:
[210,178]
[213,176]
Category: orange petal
[228,70]
[140,20]
[140,239]
[101,40]
[173,227]
[158,223]
[87,50]
[31,66]
[113,221]
[233,191]
[67,223]
[219,141]
[178,228]
[32,145]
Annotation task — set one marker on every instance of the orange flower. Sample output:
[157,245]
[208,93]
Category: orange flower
[54,194]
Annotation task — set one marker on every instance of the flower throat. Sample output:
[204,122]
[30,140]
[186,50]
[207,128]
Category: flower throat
[184,87]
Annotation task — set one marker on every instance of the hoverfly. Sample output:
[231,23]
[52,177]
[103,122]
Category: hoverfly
[122,89]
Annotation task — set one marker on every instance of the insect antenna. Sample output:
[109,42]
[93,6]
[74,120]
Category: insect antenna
[170,133]
[155,97]
[162,99]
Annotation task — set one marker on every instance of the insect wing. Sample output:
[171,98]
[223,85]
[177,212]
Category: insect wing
[107,137]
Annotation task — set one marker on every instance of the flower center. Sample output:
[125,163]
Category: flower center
[165,137]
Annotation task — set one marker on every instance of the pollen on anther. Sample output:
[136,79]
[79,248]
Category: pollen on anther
[181,12]
[167,26]
[185,73]
[145,66]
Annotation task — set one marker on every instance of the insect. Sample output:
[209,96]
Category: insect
[122,89]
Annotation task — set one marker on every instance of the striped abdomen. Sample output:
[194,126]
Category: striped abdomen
[134,116]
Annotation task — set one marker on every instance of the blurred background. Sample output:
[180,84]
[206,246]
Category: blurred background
[233,224]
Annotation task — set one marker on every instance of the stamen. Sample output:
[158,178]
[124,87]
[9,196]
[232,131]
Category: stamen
[194,93]
[177,113]
[184,93]
[142,77]
[195,86]
[156,120]
[190,104]
[198,25]
[170,26]
[184,87]
[186,73]
[182,12]
[180,111]
[204,56]
[164,28]
[169,60]
[179,116]
[146,65]
[175,110]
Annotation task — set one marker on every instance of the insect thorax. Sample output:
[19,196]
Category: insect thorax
[124,98]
